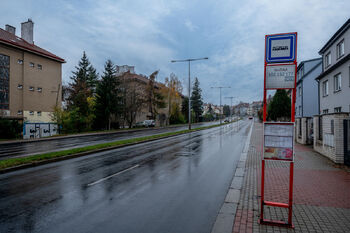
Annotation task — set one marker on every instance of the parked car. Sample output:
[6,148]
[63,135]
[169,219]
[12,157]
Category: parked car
[139,124]
[250,118]
[149,123]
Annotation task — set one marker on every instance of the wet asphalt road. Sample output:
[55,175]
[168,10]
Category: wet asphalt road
[170,185]
[35,147]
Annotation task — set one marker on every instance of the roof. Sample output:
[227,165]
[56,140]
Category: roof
[15,41]
[306,61]
[340,31]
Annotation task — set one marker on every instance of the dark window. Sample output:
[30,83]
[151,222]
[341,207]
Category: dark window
[20,86]
[332,126]
[4,81]
[40,67]
[337,109]
[39,89]
[31,88]
[31,64]
[19,61]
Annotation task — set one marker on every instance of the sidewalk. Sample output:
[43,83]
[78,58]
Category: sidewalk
[321,192]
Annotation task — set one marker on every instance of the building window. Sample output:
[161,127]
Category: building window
[325,88]
[19,61]
[39,89]
[340,49]
[39,113]
[337,109]
[299,110]
[19,87]
[325,111]
[40,67]
[299,91]
[332,127]
[328,59]
[4,81]
[337,82]
[31,113]
[31,64]
[19,112]
[31,88]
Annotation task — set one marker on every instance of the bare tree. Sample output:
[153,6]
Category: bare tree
[134,99]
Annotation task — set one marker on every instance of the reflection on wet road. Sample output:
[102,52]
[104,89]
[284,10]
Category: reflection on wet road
[35,147]
[171,185]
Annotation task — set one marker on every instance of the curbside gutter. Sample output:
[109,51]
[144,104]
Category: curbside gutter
[80,154]
[226,216]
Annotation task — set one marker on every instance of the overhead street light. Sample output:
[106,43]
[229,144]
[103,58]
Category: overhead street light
[189,83]
[220,98]
[230,97]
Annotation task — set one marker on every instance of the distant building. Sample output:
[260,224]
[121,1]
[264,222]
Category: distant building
[30,77]
[306,103]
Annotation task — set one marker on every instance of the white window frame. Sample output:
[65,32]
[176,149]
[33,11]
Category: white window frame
[340,49]
[337,82]
[325,88]
[328,59]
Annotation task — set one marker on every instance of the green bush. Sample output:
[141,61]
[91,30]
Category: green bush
[10,129]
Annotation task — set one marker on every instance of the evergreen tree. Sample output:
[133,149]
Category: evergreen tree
[184,108]
[83,85]
[279,107]
[226,110]
[196,100]
[108,100]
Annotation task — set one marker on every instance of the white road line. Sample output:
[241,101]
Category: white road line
[108,177]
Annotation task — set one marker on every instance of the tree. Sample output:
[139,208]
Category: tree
[226,110]
[184,108]
[173,92]
[134,98]
[108,100]
[280,105]
[83,85]
[155,98]
[196,100]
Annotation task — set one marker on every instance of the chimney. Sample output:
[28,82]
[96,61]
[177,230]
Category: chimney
[10,29]
[27,31]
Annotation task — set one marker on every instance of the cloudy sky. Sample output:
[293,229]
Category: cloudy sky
[149,33]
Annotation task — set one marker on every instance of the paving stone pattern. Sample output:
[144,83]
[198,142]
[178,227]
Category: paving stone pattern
[321,192]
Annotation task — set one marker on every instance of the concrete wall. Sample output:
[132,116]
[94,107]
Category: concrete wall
[332,143]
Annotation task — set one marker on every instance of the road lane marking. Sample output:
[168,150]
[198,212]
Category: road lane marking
[108,177]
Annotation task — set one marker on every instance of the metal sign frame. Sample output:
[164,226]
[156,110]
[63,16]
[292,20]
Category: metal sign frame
[288,205]
[292,47]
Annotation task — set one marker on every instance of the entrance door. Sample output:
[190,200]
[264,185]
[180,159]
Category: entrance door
[347,142]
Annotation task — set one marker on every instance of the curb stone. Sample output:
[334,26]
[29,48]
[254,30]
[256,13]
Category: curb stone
[226,216]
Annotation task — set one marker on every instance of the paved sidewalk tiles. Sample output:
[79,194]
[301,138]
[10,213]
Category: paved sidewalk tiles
[321,192]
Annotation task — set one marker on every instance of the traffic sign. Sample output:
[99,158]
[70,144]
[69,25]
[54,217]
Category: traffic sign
[281,48]
[280,76]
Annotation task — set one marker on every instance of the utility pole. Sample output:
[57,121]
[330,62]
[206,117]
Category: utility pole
[220,99]
[230,97]
[189,83]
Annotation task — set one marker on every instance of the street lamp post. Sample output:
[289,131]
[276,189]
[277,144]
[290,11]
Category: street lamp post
[220,98]
[189,83]
[230,97]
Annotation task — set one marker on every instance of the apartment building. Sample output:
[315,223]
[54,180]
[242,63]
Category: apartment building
[334,81]
[306,103]
[332,126]
[30,77]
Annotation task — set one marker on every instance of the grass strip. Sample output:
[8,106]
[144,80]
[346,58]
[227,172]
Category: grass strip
[12,162]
